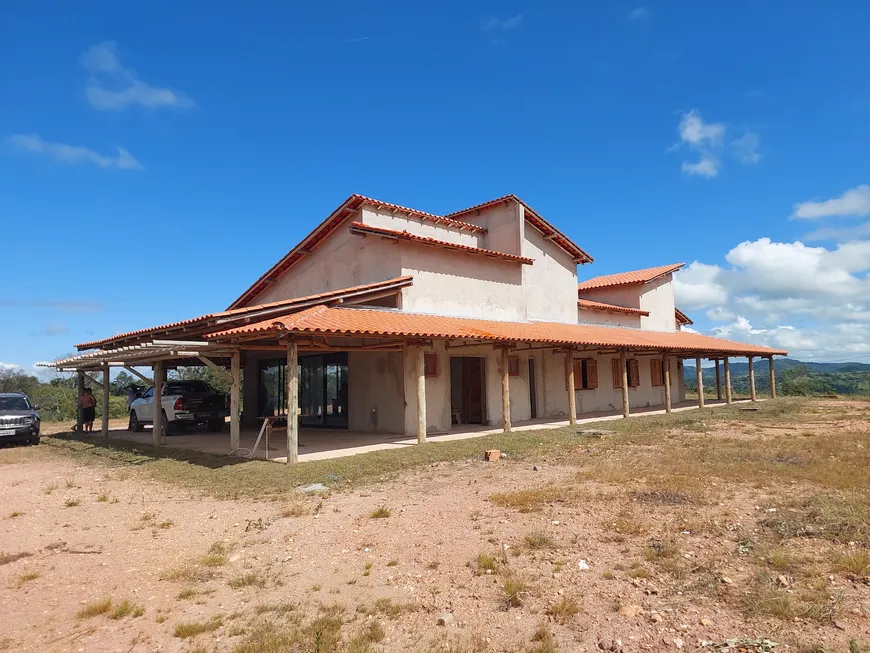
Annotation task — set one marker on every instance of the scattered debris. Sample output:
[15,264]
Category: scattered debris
[744,646]
[583,565]
[536,468]
[314,488]
[445,619]
[491,455]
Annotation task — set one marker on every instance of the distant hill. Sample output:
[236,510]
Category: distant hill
[792,377]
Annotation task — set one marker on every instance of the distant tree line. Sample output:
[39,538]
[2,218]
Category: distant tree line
[791,379]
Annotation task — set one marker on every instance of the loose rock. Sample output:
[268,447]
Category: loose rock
[445,619]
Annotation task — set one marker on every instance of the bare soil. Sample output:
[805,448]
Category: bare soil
[674,560]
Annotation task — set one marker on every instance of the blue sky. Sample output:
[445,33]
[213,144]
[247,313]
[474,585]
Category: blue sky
[155,158]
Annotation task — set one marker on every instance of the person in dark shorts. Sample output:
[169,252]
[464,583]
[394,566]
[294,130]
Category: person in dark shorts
[88,406]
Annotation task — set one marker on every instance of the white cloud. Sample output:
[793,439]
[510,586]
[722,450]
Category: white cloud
[854,202]
[840,234]
[9,366]
[695,131]
[698,286]
[746,148]
[73,154]
[113,87]
[719,314]
[502,24]
[707,167]
[641,13]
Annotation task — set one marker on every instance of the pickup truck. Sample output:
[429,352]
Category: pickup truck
[184,403]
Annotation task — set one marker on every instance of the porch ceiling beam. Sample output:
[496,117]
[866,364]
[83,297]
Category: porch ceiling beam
[140,375]
[221,372]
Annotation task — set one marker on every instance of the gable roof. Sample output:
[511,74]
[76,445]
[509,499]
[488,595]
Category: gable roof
[538,222]
[682,318]
[610,308]
[362,322]
[355,202]
[238,316]
[625,278]
[364,229]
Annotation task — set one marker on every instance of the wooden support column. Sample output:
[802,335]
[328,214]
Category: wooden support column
[624,368]
[235,402]
[718,381]
[292,376]
[727,365]
[700,381]
[80,390]
[105,423]
[752,380]
[666,373]
[772,378]
[572,396]
[421,396]
[505,390]
[157,433]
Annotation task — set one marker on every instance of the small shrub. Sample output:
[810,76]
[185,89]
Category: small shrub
[194,628]
[381,512]
[51,487]
[95,608]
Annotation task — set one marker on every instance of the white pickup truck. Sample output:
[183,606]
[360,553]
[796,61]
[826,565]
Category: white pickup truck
[184,403]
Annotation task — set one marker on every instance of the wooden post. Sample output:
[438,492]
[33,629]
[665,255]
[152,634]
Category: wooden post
[727,365]
[105,423]
[80,390]
[752,380]
[624,368]
[235,392]
[666,374]
[505,390]
[292,376]
[700,381]
[572,396]
[772,379]
[421,396]
[718,382]
[157,433]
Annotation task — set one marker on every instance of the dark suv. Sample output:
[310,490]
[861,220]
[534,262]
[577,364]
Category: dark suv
[18,419]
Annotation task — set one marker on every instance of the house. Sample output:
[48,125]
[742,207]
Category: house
[386,319]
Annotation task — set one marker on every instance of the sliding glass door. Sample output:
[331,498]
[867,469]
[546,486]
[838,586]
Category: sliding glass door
[322,390]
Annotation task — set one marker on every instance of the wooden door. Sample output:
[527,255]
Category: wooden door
[472,390]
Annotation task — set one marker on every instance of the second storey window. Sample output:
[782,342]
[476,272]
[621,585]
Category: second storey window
[631,369]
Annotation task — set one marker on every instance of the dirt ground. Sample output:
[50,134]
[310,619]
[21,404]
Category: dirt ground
[615,545]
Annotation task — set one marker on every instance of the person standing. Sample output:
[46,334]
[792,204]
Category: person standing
[88,406]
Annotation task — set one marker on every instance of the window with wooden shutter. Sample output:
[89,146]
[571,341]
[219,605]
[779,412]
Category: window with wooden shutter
[430,364]
[633,374]
[513,365]
[656,372]
[591,374]
[617,373]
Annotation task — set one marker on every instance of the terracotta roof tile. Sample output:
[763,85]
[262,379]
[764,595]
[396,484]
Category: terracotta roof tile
[363,229]
[241,312]
[613,308]
[624,278]
[355,322]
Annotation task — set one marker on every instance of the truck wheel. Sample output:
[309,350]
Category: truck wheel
[34,439]
[135,425]
[216,425]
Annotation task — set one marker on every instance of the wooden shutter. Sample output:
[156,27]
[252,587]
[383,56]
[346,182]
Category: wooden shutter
[592,373]
[513,366]
[633,374]
[617,373]
[578,374]
[430,364]
[655,368]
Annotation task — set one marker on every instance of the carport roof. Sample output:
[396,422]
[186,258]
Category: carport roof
[364,322]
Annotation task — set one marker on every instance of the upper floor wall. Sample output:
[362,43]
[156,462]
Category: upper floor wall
[656,297]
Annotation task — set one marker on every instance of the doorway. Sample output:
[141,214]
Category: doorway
[533,390]
[323,390]
[467,396]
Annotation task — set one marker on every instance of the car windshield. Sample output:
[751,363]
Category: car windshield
[184,387]
[14,403]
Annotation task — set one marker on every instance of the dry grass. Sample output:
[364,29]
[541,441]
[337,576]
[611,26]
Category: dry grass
[854,562]
[387,607]
[127,609]
[249,579]
[538,541]
[319,635]
[26,577]
[295,509]
[381,512]
[486,563]
[563,610]
[767,599]
[543,641]
[72,503]
[8,558]
[95,608]
[185,630]
[514,592]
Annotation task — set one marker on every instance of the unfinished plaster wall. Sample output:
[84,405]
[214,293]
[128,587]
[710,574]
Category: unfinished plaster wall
[588,316]
[627,295]
[550,284]
[341,261]
[386,219]
[504,224]
[657,297]
[376,392]
[459,284]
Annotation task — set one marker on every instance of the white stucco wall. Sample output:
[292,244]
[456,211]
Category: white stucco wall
[551,282]
[398,222]
[343,260]
[466,285]
[376,392]
[657,297]
[588,316]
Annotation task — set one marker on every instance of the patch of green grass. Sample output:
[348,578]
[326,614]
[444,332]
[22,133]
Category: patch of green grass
[95,608]
[72,503]
[126,609]
[26,577]
[249,579]
[193,628]
[539,540]
[381,512]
